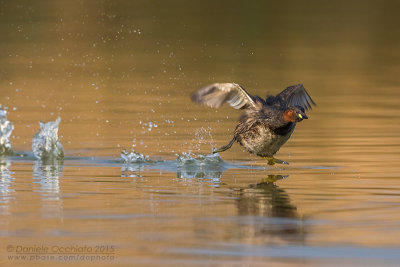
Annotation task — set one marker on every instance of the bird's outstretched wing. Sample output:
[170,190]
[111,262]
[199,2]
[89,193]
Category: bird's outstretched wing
[296,95]
[216,94]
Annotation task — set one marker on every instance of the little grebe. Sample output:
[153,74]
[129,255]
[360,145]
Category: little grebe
[267,124]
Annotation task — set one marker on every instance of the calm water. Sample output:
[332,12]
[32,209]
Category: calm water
[120,74]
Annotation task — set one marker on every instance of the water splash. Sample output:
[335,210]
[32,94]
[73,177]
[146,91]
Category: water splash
[46,145]
[6,128]
[133,163]
[208,166]
[133,157]
[199,165]
[199,159]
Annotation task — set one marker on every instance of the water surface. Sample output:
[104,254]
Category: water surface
[120,74]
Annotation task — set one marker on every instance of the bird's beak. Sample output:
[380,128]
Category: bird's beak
[303,116]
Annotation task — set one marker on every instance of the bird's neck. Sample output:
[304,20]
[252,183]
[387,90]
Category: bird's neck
[280,125]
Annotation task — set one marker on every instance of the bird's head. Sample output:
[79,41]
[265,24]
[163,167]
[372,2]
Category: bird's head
[294,114]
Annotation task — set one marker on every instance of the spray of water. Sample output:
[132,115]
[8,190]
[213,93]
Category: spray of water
[202,137]
[46,145]
[6,128]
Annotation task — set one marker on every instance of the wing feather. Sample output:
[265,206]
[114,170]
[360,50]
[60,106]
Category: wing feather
[216,94]
[296,95]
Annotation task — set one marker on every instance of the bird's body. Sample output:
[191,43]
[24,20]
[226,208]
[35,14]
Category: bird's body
[258,138]
[266,124]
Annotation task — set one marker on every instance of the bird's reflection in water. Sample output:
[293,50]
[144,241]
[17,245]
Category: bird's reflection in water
[47,175]
[269,214]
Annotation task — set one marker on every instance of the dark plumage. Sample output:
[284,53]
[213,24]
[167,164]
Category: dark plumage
[266,124]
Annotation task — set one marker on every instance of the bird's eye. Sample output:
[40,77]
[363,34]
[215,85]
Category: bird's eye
[300,116]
